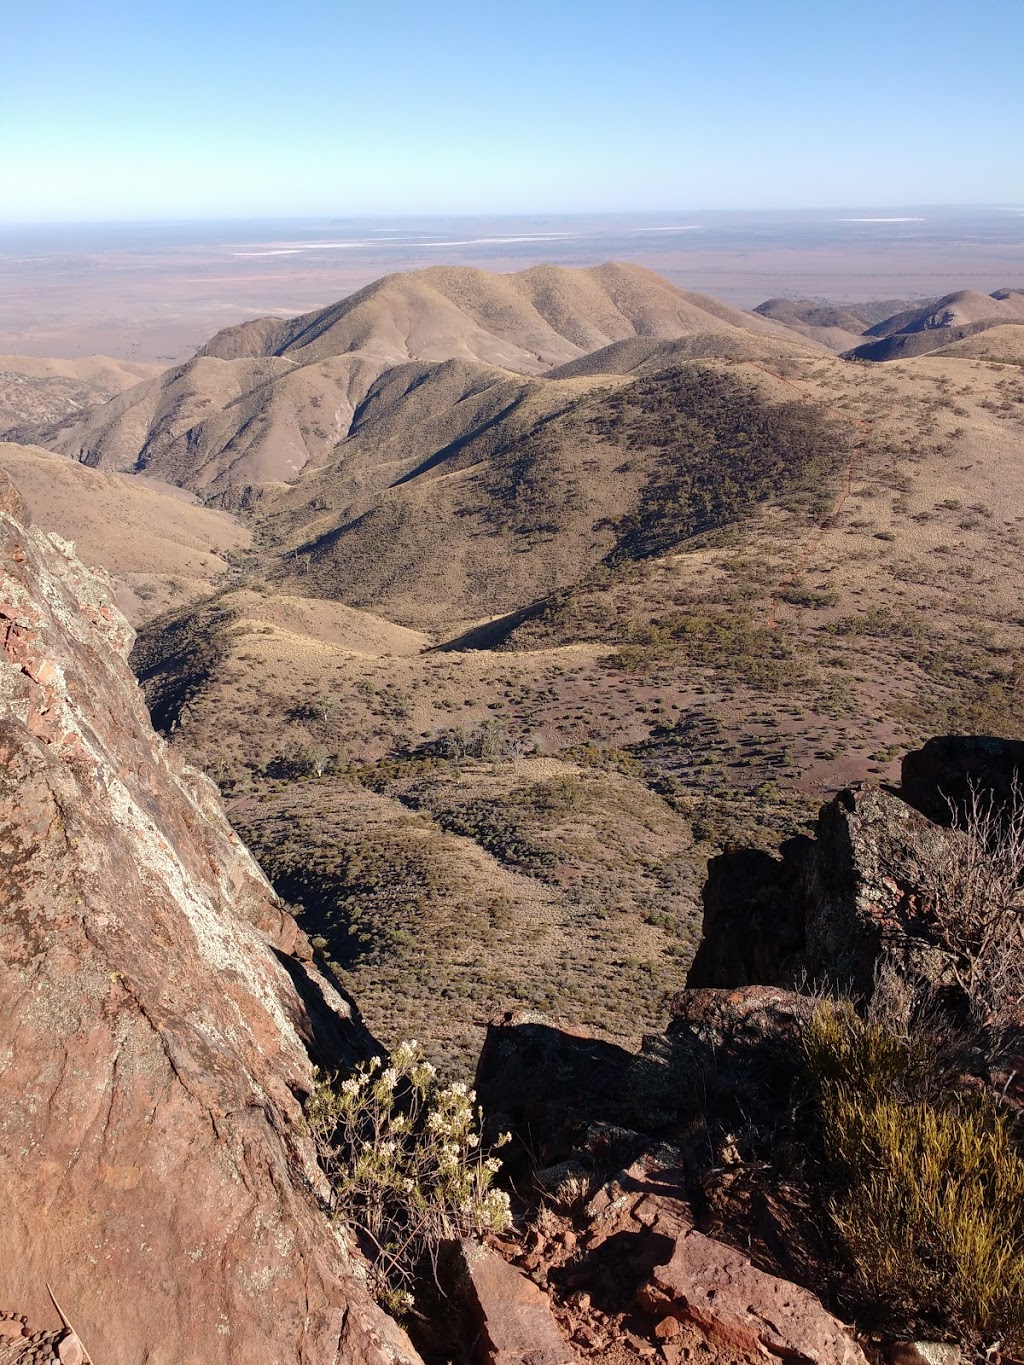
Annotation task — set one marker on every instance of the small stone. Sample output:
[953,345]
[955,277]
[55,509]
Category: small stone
[70,1350]
[924,1353]
[569,1239]
[667,1328]
[586,1336]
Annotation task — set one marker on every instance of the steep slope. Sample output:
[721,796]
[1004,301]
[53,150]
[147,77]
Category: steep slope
[162,1018]
[35,390]
[268,401]
[159,546]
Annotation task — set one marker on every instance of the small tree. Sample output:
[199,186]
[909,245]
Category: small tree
[323,705]
[405,1162]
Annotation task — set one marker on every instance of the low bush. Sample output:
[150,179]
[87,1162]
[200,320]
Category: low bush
[406,1166]
[928,1186]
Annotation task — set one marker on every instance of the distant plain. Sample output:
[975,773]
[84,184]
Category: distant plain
[156,291]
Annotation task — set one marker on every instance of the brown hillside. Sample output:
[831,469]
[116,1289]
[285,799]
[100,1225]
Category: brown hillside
[1003,343]
[918,331]
[521,505]
[960,309]
[528,322]
[160,548]
[268,401]
[724,572]
[35,390]
[837,326]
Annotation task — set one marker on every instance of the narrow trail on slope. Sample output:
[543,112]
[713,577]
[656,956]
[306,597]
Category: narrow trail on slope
[827,522]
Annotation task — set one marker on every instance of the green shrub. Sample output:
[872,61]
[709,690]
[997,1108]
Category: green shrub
[798,596]
[405,1163]
[728,640]
[929,1188]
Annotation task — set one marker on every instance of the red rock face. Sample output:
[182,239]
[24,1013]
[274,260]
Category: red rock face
[156,1009]
[740,1309]
[513,1319]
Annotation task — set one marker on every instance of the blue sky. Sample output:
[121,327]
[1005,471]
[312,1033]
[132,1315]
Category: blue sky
[115,109]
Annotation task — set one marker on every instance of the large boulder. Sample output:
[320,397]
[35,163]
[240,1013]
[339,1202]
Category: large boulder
[546,1085]
[160,1011]
[754,917]
[511,1318]
[826,910]
[939,777]
[741,1309]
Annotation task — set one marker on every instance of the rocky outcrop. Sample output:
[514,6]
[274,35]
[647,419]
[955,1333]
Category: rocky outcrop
[939,777]
[742,1309]
[826,910]
[863,891]
[160,1015]
[547,1086]
[754,922]
[512,1320]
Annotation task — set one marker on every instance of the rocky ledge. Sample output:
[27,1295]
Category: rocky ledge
[162,1020]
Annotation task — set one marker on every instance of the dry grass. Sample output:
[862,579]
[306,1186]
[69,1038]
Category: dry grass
[930,1186]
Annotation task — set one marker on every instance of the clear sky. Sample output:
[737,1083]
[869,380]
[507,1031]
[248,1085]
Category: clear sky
[114,109]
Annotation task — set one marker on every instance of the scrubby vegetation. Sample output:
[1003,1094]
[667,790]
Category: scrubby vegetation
[443,892]
[722,448]
[929,1184]
[729,641]
[407,1169]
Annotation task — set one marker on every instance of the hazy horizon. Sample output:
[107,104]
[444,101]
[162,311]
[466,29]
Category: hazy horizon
[898,210]
[156,291]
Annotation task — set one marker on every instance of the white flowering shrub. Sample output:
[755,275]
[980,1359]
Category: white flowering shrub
[404,1158]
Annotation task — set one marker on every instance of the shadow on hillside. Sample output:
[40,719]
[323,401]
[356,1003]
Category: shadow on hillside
[494,633]
[334,1042]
